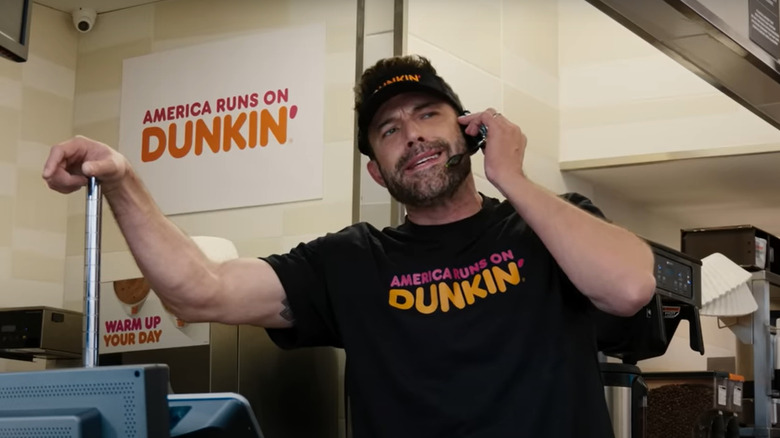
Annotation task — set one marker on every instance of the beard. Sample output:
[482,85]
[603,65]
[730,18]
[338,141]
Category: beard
[432,186]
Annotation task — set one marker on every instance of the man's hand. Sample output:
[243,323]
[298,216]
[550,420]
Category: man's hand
[72,162]
[504,148]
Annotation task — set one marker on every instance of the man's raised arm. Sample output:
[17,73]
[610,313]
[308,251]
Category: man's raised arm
[240,291]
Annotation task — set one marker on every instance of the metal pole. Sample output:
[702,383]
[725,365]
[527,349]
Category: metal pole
[92,273]
[762,400]
[400,12]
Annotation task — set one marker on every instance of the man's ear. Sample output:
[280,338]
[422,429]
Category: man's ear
[373,170]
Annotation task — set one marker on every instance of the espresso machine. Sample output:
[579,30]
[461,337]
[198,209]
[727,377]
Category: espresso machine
[646,335]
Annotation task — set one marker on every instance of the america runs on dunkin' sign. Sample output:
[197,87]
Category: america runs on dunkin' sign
[194,131]
[240,121]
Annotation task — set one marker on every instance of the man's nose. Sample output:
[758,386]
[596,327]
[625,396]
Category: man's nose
[414,134]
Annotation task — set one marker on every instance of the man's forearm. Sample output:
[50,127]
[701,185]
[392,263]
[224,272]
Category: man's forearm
[609,264]
[171,262]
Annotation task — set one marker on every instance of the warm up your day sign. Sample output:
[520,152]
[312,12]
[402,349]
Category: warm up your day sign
[228,124]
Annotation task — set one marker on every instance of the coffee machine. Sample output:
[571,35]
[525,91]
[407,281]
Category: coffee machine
[646,335]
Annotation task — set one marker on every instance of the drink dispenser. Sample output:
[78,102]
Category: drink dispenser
[647,334]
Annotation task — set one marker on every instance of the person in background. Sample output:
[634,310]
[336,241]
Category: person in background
[470,319]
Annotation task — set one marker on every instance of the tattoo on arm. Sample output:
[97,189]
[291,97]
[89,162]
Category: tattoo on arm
[287,312]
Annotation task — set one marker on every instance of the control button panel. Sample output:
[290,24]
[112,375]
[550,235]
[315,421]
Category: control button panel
[673,277]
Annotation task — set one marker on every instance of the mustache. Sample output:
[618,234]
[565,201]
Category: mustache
[408,156]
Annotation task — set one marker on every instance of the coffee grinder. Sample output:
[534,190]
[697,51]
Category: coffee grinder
[647,334]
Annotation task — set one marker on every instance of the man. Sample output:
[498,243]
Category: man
[471,319]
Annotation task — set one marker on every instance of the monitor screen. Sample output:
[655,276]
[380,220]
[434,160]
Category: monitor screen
[15,29]
[110,402]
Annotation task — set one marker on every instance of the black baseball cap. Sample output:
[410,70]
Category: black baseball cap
[393,84]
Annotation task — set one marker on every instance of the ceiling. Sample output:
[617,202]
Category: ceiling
[100,6]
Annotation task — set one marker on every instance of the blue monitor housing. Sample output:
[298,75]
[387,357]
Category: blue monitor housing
[109,402]
[15,29]
[127,401]
[212,415]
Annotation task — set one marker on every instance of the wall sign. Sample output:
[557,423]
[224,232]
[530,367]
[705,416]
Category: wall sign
[228,124]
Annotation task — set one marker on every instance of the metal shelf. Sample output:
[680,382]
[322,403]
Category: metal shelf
[755,329]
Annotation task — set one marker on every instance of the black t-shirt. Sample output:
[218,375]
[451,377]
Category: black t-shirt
[468,329]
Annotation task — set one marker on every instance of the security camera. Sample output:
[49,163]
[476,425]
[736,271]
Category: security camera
[84,19]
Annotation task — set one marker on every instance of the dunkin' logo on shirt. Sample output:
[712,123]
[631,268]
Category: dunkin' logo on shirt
[441,290]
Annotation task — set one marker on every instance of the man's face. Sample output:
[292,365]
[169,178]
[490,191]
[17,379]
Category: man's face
[412,136]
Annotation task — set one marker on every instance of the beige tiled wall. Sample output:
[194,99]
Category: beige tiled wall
[375,202]
[36,111]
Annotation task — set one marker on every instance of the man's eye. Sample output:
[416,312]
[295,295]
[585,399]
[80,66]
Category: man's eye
[389,132]
[428,115]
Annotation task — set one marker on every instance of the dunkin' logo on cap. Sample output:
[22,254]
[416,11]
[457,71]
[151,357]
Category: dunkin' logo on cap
[399,78]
